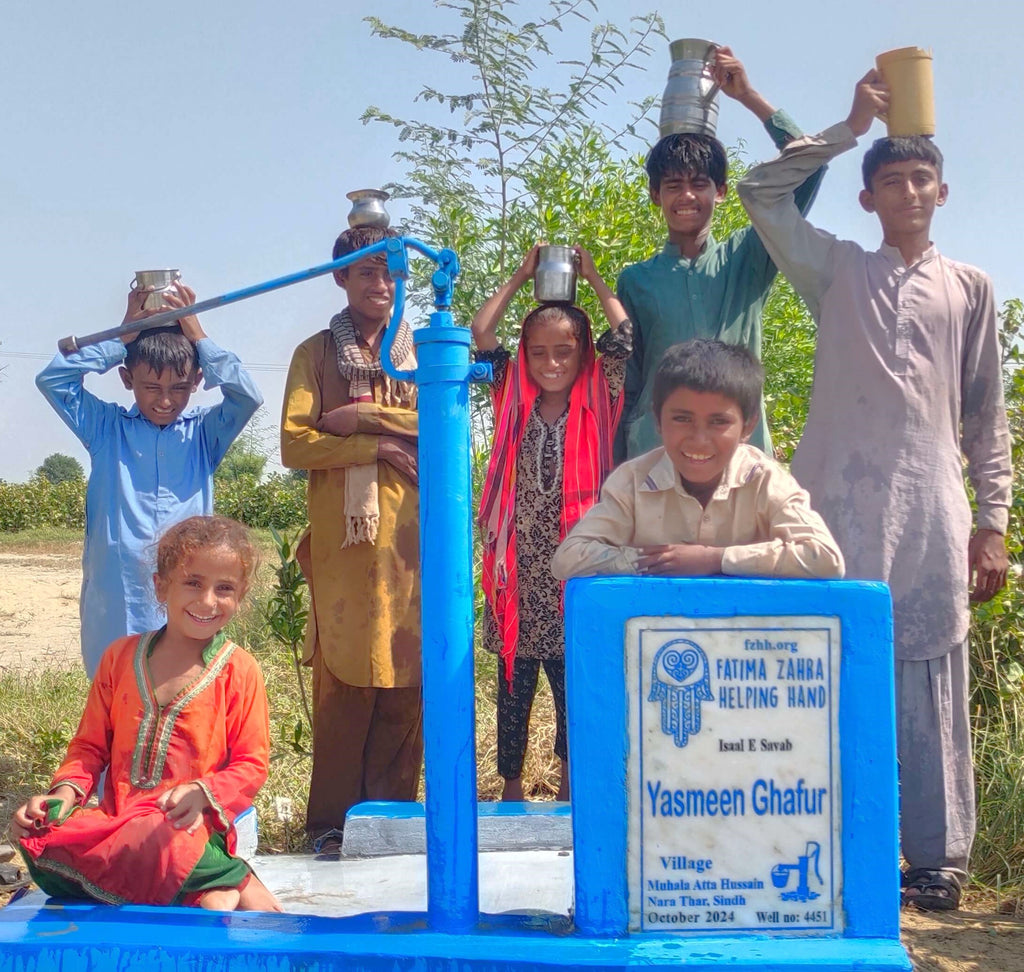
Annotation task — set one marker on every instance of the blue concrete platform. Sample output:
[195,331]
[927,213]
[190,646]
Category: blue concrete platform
[80,937]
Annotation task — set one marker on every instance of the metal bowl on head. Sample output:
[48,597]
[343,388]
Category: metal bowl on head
[368,208]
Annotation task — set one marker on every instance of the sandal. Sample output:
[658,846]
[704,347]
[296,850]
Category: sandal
[929,890]
[327,847]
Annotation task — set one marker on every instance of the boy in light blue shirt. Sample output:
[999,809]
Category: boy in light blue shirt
[152,464]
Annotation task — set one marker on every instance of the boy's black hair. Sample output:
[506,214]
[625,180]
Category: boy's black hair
[162,348]
[711,366]
[687,154]
[902,148]
[359,237]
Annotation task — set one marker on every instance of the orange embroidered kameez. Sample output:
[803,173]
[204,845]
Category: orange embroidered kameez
[214,732]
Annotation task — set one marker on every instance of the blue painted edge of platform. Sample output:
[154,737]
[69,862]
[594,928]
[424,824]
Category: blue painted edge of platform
[395,810]
[596,611]
[76,937]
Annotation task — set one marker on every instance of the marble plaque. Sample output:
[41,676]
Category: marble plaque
[734,776]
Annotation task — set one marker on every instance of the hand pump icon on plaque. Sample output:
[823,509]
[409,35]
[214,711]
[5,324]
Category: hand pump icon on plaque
[781,874]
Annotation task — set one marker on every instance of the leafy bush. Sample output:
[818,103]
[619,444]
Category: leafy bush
[279,501]
[40,503]
[997,666]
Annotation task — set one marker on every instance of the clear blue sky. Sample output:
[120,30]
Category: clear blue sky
[221,138]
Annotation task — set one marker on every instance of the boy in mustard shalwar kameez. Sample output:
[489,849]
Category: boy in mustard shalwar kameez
[355,430]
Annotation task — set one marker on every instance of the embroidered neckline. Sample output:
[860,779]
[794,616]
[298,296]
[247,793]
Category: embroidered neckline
[208,653]
[153,737]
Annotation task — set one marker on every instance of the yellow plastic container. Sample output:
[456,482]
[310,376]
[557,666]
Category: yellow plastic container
[908,72]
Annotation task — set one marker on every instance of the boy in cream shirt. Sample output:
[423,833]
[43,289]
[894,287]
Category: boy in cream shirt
[704,502]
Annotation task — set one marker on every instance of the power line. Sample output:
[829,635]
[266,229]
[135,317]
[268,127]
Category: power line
[39,356]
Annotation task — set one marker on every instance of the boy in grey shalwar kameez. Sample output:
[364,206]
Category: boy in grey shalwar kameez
[907,374]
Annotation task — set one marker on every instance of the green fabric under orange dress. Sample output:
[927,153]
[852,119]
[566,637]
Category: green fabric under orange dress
[587,459]
[214,732]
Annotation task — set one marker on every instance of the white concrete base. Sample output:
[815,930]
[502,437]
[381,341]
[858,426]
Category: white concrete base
[388,828]
[510,881]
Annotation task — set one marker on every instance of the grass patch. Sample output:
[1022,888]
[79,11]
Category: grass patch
[64,541]
[38,717]
[997,671]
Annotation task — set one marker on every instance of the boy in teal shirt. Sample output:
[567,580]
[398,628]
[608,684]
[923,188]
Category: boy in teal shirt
[697,287]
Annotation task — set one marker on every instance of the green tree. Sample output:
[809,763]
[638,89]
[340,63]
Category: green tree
[242,460]
[480,184]
[519,162]
[59,468]
[475,168]
[247,456]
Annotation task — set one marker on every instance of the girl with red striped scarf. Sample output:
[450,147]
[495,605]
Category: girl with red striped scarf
[556,405]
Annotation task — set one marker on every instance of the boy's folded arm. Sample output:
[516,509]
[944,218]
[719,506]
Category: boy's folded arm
[806,559]
[799,544]
[222,423]
[801,251]
[303,445]
[62,385]
[602,541]
[579,556]
[374,419]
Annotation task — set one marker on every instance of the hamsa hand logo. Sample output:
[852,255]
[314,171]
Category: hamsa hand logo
[680,681]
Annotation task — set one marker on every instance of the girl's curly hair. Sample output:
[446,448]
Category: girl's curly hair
[181,541]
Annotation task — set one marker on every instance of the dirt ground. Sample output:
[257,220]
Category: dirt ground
[39,610]
[39,628]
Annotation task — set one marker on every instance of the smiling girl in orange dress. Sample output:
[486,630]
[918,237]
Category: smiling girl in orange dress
[178,719]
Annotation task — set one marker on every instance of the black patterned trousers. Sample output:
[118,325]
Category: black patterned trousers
[514,711]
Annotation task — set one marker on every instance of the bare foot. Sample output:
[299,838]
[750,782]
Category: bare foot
[220,899]
[563,783]
[513,789]
[254,896]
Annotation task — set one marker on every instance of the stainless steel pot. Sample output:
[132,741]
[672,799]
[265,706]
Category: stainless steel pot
[368,208]
[555,279]
[159,280]
[688,104]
